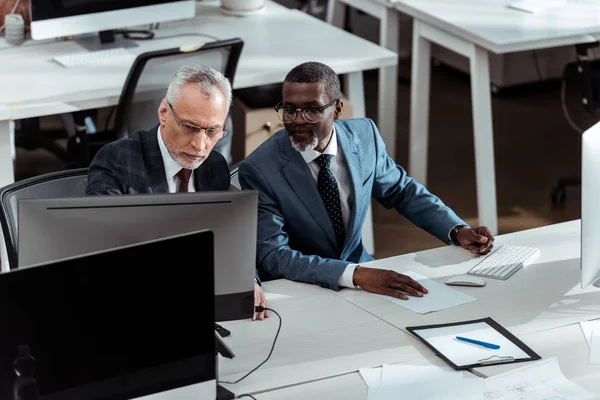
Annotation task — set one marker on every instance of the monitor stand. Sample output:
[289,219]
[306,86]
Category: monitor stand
[96,42]
[597,283]
[222,348]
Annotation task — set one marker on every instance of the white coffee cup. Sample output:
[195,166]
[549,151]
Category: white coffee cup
[242,5]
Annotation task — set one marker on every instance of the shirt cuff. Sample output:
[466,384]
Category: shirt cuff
[347,277]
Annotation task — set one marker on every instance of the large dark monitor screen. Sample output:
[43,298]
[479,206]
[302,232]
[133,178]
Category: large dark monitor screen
[117,324]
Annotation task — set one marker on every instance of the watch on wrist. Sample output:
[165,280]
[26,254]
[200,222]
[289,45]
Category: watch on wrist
[454,233]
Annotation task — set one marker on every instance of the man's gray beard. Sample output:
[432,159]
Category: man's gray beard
[302,147]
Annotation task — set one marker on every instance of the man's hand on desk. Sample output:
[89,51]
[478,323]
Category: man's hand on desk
[259,300]
[476,240]
[390,283]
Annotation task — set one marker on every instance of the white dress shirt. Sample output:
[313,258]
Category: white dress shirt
[340,170]
[172,167]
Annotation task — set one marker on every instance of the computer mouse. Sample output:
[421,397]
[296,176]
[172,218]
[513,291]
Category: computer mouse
[465,280]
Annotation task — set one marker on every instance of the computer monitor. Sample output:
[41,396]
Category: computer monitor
[117,324]
[58,228]
[590,213]
[58,18]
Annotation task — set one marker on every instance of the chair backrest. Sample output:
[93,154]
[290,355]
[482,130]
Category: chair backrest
[70,183]
[234,178]
[152,72]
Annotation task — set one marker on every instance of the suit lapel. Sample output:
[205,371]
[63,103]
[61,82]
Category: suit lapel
[351,150]
[300,179]
[154,162]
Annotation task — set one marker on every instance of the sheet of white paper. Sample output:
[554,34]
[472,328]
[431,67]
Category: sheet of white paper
[371,376]
[439,296]
[587,327]
[594,347]
[463,353]
[467,389]
[538,381]
[399,374]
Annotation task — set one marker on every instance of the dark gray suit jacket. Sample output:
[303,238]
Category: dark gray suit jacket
[134,165]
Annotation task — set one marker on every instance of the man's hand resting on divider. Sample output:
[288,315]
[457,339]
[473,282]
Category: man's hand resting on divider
[390,283]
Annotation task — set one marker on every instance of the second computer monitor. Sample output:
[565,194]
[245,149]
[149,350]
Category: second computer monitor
[55,229]
[590,213]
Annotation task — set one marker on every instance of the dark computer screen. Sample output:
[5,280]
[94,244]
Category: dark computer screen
[115,325]
[49,9]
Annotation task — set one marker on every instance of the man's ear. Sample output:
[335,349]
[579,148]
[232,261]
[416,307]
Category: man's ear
[338,110]
[163,109]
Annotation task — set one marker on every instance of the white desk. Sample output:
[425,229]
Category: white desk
[473,28]
[322,336]
[389,32]
[544,295]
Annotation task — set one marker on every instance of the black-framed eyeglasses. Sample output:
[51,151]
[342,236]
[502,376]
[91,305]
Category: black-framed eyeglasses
[311,115]
[191,130]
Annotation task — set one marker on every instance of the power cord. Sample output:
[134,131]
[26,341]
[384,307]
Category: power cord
[563,103]
[246,395]
[260,309]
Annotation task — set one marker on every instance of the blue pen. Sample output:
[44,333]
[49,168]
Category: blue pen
[484,344]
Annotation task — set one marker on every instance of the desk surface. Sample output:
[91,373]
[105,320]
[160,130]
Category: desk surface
[33,85]
[322,335]
[544,295]
[493,26]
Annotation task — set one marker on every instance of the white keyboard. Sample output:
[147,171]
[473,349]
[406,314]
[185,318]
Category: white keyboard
[504,262]
[105,56]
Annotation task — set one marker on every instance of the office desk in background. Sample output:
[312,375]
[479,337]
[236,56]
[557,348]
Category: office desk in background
[474,28]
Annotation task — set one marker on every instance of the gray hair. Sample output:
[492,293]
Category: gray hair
[206,77]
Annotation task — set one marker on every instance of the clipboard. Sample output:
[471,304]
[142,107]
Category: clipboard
[461,355]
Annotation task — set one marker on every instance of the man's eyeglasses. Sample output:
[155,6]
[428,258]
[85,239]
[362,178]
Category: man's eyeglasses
[191,130]
[312,115]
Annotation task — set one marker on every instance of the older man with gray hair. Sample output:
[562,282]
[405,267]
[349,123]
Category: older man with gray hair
[176,155]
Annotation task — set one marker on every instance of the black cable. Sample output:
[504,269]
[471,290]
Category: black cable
[260,309]
[246,395]
[136,34]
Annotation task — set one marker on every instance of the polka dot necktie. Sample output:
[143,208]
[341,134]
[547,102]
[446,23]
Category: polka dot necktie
[328,189]
[184,179]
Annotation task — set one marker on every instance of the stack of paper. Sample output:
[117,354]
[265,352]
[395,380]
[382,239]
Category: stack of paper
[439,296]
[591,331]
[540,381]
[419,382]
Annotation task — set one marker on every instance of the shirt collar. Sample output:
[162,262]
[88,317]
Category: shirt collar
[172,167]
[311,155]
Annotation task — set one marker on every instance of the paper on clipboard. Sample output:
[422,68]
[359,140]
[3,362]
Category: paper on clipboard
[461,355]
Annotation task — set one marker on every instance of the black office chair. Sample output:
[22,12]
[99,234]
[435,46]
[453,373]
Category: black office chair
[149,79]
[69,183]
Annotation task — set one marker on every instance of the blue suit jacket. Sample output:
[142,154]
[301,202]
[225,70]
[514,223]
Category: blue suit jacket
[134,165]
[295,236]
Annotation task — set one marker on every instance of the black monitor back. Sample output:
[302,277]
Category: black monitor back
[115,325]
